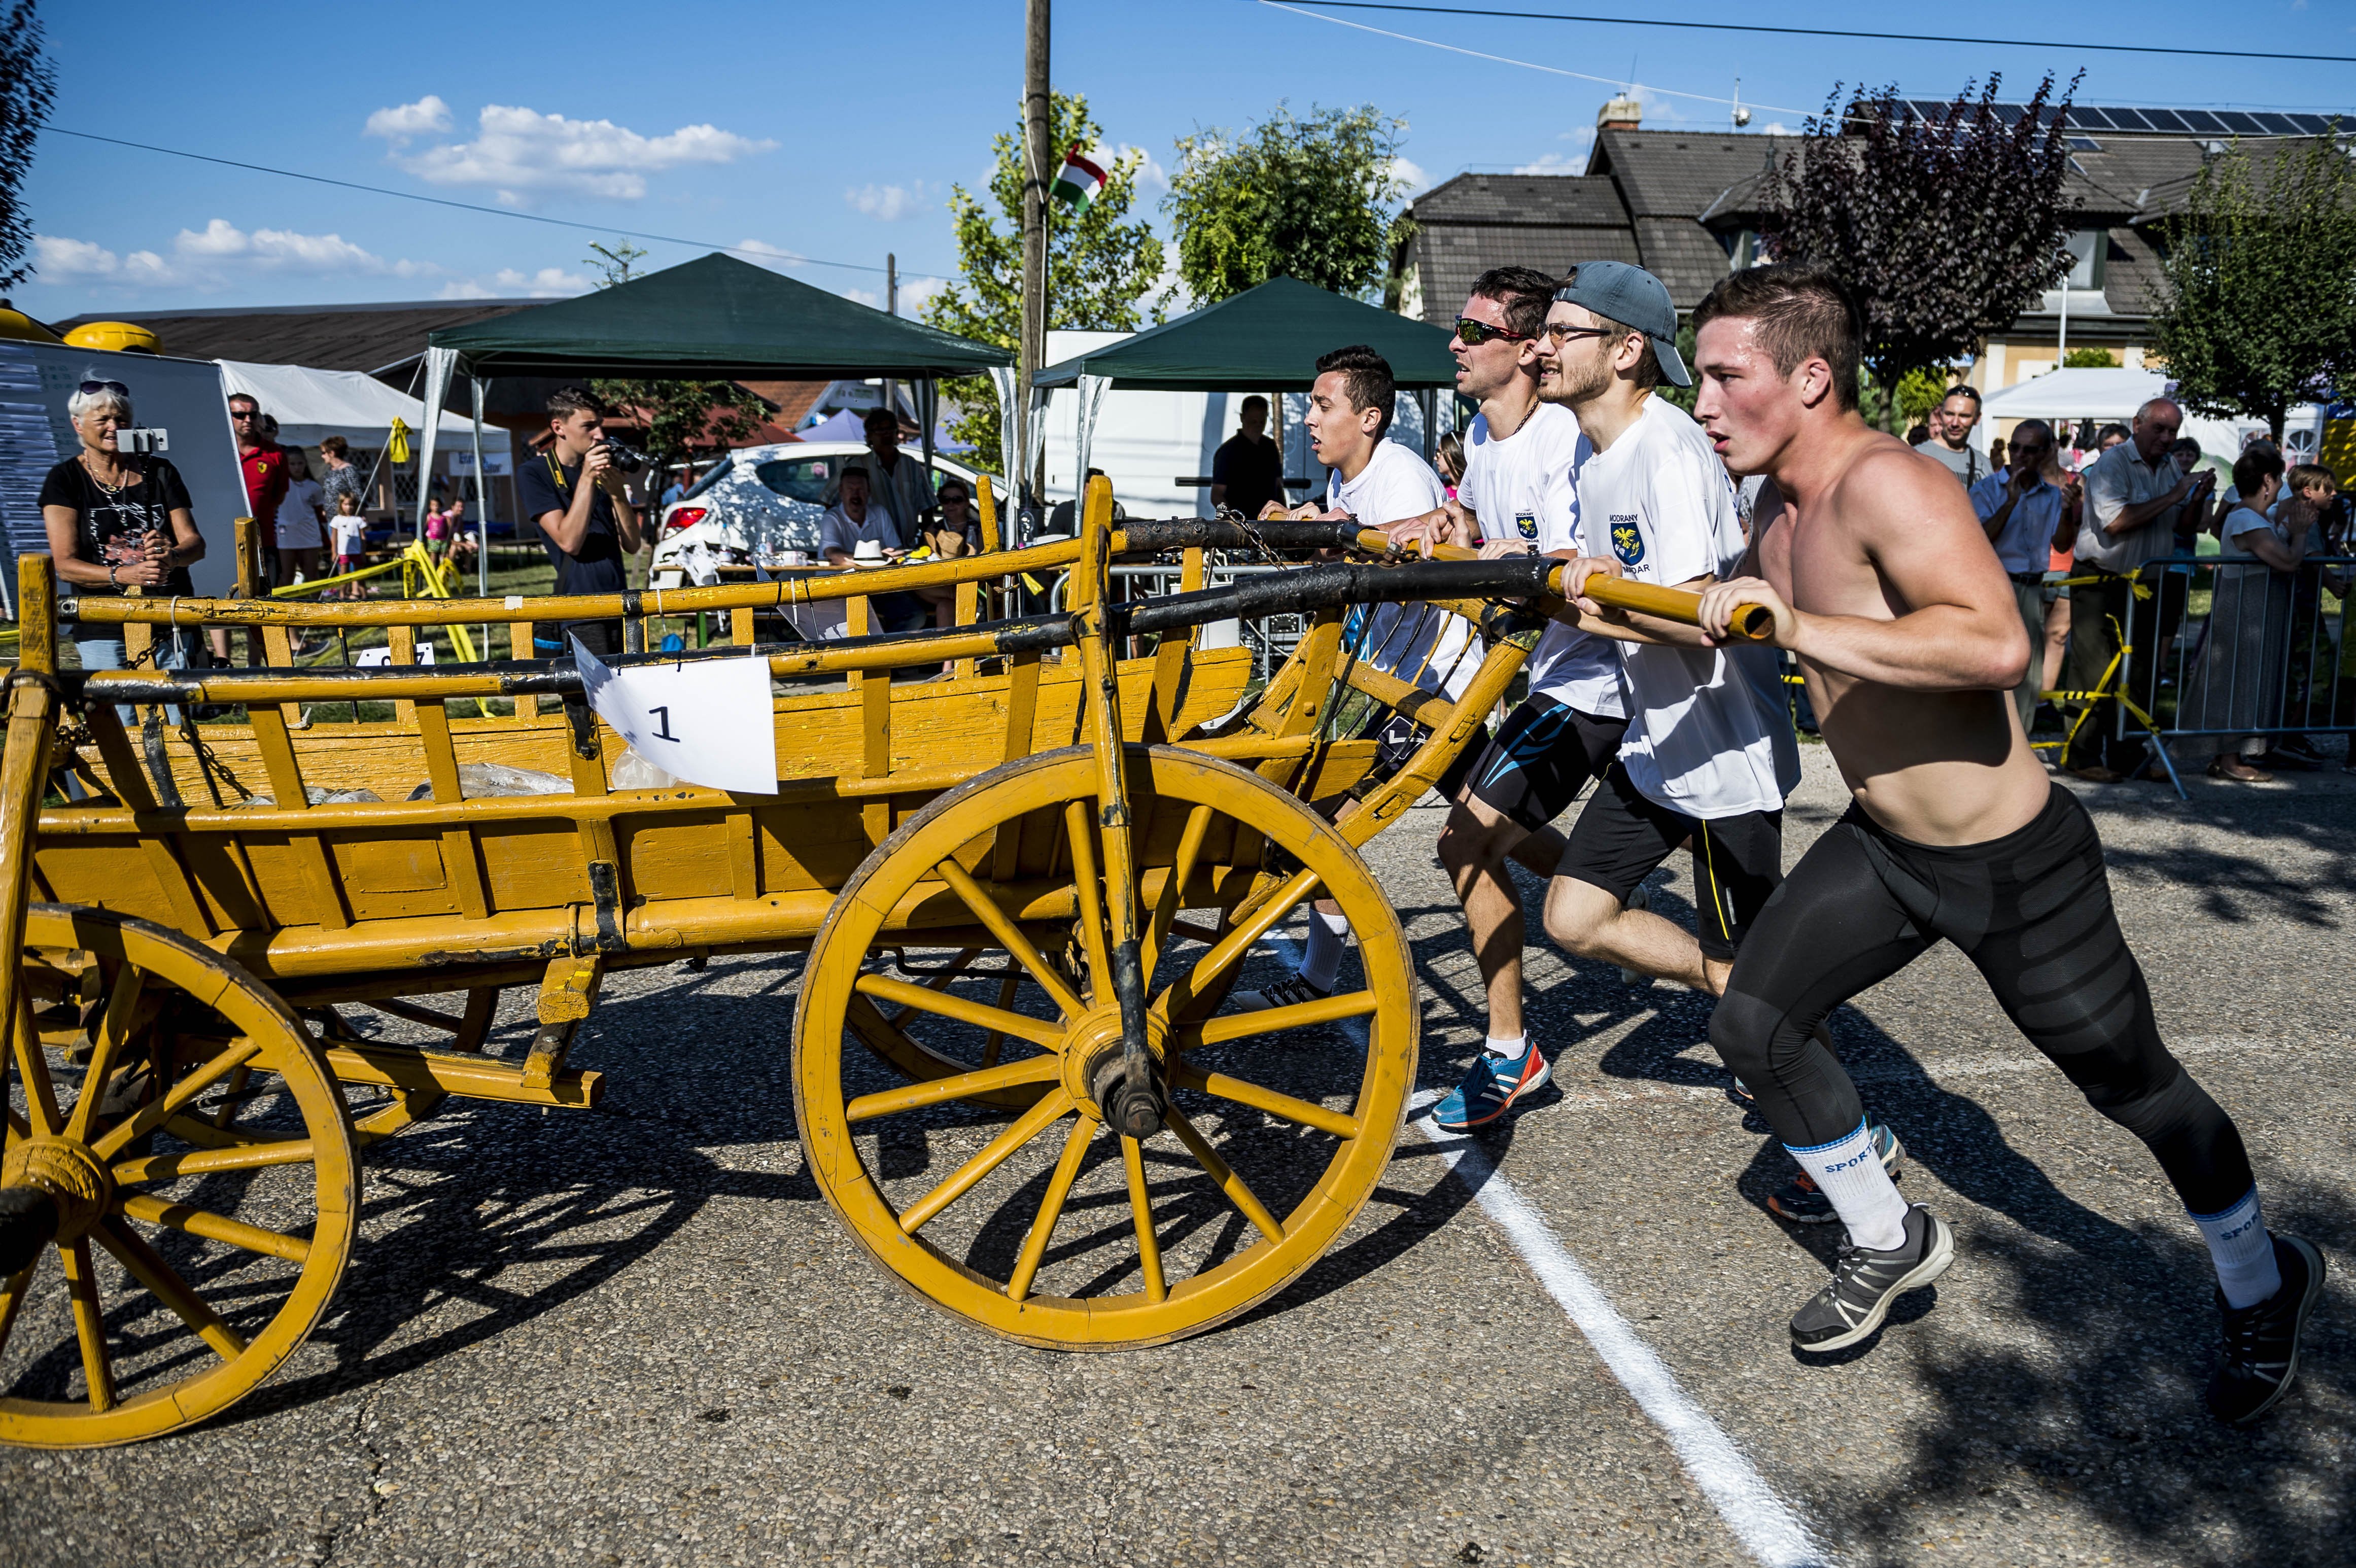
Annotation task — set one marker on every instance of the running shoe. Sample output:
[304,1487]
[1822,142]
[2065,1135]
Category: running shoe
[1640,898]
[1865,1283]
[2262,1340]
[1284,994]
[1802,1202]
[1490,1089]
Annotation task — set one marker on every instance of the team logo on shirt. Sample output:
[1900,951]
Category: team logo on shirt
[1627,540]
[1527,524]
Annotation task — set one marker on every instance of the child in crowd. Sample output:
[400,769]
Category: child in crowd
[1450,461]
[349,530]
[437,529]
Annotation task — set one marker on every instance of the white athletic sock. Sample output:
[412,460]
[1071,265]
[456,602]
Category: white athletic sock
[2242,1252]
[1321,961]
[1512,1050]
[1850,1173]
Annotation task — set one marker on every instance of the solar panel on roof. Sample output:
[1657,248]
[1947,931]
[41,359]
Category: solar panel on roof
[2203,123]
[2278,124]
[2166,119]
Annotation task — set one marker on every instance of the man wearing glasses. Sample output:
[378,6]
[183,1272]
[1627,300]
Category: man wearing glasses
[265,462]
[1518,493]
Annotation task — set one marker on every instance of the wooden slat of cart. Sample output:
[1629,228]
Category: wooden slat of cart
[285,775]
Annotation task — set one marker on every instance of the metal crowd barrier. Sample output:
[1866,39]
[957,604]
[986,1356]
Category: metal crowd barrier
[2245,650]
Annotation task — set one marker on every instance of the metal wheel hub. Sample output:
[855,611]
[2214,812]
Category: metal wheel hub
[1092,1054]
[68,1172]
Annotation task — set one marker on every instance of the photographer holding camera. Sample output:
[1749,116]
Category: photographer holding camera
[573,491]
[117,522]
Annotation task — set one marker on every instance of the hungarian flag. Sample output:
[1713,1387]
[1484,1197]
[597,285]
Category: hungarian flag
[1078,184]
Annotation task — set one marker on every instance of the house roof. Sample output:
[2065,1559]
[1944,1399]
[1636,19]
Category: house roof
[369,337]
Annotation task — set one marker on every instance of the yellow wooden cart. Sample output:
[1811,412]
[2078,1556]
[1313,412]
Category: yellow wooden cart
[1027,888]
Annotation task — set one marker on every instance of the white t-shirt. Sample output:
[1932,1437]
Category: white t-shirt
[298,513]
[1414,642]
[1521,487]
[1706,735]
[350,533]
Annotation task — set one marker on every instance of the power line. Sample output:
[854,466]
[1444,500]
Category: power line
[1504,60]
[2275,55]
[758,252]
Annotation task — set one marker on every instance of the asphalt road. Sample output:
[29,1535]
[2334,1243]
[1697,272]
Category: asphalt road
[644,1340]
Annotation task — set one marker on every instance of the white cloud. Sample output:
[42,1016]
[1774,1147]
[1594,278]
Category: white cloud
[760,253]
[549,283]
[886,203]
[213,259]
[464,289]
[872,298]
[916,294]
[1151,175]
[427,117]
[519,151]
[1776,128]
[1410,175]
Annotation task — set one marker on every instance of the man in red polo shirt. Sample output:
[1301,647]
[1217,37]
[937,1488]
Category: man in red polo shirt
[265,462]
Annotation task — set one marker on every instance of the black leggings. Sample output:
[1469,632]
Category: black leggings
[2032,911]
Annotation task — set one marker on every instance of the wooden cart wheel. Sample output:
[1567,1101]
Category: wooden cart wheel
[222,1256]
[1282,1122]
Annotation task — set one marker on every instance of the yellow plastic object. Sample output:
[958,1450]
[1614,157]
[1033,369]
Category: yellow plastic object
[119,336]
[396,450]
[15,324]
[1027,1014]
[264,1248]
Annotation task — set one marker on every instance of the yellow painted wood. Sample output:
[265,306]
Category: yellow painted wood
[192,1384]
[402,643]
[278,648]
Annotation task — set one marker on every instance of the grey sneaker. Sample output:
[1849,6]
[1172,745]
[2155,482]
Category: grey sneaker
[1286,993]
[1865,1283]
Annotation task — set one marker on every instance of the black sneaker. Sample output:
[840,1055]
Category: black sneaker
[1802,1202]
[1866,1282]
[2262,1340]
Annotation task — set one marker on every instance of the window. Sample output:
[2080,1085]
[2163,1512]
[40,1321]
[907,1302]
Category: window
[2087,248]
[1742,251]
[2083,145]
[799,478]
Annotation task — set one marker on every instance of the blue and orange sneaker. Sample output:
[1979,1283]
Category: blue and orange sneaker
[1490,1089]
[1802,1202]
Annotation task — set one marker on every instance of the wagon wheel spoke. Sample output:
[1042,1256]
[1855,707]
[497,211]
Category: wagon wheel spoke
[1038,1031]
[1223,1176]
[1231,948]
[212,1227]
[33,1065]
[89,1322]
[1242,1091]
[237,1082]
[950,975]
[114,1027]
[891,1102]
[147,1266]
[258,1153]
[997,1040]
[1051,1206]
[1009,936]
[1025,1128]
[156,1111]
[1140,1215]
[12,1297]
[1173,890]
[1273,1021]
[1087,879]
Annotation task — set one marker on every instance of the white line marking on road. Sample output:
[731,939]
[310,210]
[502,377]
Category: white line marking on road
[1765,1525]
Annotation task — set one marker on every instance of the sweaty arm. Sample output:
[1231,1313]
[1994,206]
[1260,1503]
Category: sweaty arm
[1959,628]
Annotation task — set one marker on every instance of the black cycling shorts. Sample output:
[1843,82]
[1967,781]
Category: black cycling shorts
[1397,739]
[1540,759]
[1624,835]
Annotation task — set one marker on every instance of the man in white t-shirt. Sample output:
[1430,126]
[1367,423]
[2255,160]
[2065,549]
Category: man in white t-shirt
[1378,482]
[1709,754]
[1519,457]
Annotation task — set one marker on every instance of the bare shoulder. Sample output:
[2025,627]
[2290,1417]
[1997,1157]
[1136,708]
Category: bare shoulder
[1889,487]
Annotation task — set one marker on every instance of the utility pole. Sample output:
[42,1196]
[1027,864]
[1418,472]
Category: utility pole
[1039,165]
[891,283]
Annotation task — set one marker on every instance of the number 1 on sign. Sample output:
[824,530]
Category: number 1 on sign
[662,724]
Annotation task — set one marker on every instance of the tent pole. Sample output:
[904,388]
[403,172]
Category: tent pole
[928,401]
[1430,398]
[482,517]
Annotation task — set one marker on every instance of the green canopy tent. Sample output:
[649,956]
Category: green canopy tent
[712,318]
[1265,339]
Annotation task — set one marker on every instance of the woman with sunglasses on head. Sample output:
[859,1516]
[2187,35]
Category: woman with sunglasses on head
[117,523]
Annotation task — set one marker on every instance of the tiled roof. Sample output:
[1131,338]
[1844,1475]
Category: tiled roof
[1522,198]
[326,337]
[1677,174]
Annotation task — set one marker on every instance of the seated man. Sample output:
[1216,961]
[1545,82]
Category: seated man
[858,519]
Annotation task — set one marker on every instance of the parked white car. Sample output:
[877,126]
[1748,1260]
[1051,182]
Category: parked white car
[759,503]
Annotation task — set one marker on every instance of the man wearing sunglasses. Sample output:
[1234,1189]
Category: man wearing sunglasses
[1518,494]
[265,462]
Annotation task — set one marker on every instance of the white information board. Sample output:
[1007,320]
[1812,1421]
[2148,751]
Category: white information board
[183,396]
[708,721]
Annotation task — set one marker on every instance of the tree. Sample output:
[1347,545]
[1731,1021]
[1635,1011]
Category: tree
[1312,199]
[679,416]
[2257,307]
[1946,229]
[27,86]
[1100,267]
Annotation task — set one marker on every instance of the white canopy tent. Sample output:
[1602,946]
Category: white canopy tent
[2106,394]
[310,405]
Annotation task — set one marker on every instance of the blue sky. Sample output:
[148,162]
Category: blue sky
[834,132]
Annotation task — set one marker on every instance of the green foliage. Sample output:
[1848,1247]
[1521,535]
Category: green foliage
[1920,391]
[1946,229]
[27,86]
[1312,199]
[1099,267]
[2090,359]
[679,416]
[2258,304]
[1682,396]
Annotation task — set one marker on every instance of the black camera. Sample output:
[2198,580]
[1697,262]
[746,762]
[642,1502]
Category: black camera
[626,458]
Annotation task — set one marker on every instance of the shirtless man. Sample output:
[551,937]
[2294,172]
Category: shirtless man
[1883,582]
